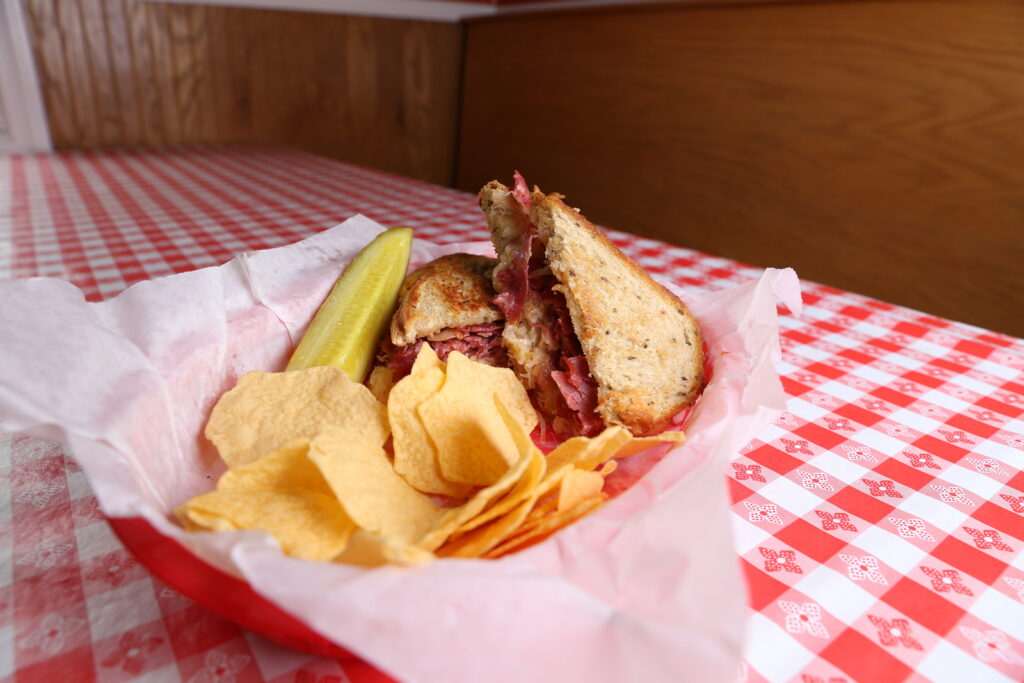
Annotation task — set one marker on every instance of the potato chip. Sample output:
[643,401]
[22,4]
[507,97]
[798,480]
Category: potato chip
[426,358]
[194,518]
[371,492]
[518,428]
[579,492]
[526,489]
[481,539]
[307,525]
[588,454]
[553,478]
[577,486]
[543,508]
[453,518]
[544,527]
[283,494]
[373,550]
[203,524]
[415,456]
[473,445]
[546,503]
[269,409]
[380,382]
[308,465]
[483,525]
[638,445]
[286,469]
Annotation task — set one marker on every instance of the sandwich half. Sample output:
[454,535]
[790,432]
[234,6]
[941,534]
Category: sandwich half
[596,340]
[447,304]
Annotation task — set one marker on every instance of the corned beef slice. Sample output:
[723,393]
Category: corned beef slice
[480,342]
[528,276]
[515,281]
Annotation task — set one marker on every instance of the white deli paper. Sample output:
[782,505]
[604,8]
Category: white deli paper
[647,588]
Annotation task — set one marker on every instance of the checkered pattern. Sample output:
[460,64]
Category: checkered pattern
[880,520]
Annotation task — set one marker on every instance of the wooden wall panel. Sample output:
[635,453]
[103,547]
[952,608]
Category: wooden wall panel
[379,92]
[53,76]
[874,146]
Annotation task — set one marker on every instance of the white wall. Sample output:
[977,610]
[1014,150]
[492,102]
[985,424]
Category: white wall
[23,126]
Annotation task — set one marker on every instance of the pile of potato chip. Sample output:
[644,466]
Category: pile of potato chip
[310,464]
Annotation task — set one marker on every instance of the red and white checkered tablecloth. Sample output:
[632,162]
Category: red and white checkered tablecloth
[880,520]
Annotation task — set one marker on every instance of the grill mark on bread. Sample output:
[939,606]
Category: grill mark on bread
[452,291]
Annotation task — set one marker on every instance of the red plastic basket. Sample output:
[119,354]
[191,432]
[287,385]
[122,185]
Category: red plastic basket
[221,593]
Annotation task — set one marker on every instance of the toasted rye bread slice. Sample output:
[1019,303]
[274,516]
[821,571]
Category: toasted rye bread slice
[648,365]
[452,291]
[643,345]
[506,219]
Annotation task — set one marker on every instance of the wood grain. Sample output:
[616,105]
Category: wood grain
[121,64]
[102,86]
[143,76]
[51,69]
[378,92]
[873,146]
[68,27]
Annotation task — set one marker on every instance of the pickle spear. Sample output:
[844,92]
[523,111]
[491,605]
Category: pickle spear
[345,330]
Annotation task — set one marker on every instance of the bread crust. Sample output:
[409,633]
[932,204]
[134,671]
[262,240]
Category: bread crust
[452,291]
[642,344]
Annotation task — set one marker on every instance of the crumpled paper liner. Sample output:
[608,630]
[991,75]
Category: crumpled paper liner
[647,588]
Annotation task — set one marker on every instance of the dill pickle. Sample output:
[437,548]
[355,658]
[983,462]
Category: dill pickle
[345,331]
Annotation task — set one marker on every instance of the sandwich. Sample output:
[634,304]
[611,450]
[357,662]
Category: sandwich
[595,340]
[448,305]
